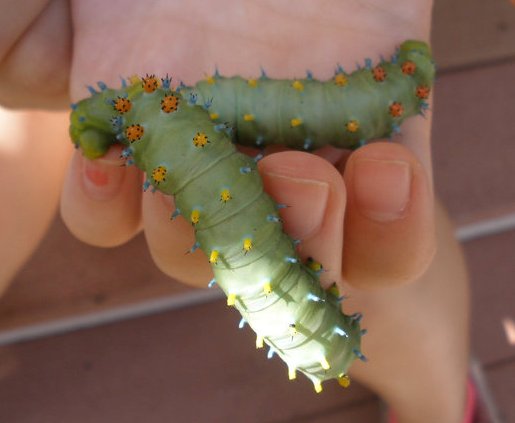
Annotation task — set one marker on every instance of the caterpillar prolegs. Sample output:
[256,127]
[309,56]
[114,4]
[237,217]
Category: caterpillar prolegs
[183,138]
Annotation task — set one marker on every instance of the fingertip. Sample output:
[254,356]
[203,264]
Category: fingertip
[101,200]
[389,226]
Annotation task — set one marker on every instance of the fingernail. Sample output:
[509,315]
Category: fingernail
[306,200]
[102,178]
[381,188]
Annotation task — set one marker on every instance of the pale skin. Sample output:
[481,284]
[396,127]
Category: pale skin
[369,217]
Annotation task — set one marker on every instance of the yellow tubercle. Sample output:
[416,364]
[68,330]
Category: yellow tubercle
[292,373]
[295,122]
[334,290]
[134,79]
[314,265]
[340,80]
[214,116]
[195,216]
[297,85]
[318,387]
[200,140]
[210,80]
[267,288]
[247,245]
[259,342]
[231,300]
[159,174]
[344,380]
[248,117]
[225,195]
[252,82]
[213,257]
[325,364]
[292,328]
[352,126]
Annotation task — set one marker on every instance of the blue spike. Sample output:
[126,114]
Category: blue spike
[341,332]
[241,325]
[396,128]
[124,82]
[263,74]
[217,73]
[220,127]
[359,354]
[73,106]
[363,332]
[272,218]
[281,206]
[313,297]
[271,353]
[117,122]
[126,153]
[120,136]
[258,157]
[82,119]
[368,63]
[102,85]
[339,69]
[424,105]
[395,57]
[194,247]
[296,242]
[341,298]
[208,103]
[211,283]
[146,185]
[192,99]
[129,162]
[358,66]
[308,143]
[229,130]
[362,142]
[180,86]
[260,141]
[357,317]
[92,90]
[245,169]
[175,213]
[166,82]
[292,260]
[309,75]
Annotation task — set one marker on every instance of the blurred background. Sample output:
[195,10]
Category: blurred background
[82,340]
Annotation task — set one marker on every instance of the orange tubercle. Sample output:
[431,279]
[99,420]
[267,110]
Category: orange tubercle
[134,132]
[150,83]
[169,103]
[408,67]
[122,105]
[396,109]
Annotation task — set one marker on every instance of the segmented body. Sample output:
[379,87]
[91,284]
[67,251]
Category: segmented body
[179,137]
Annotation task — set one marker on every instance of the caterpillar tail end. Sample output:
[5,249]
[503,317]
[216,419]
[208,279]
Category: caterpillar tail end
[93,143]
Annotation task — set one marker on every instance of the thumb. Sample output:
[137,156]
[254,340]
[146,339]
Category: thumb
[389,222]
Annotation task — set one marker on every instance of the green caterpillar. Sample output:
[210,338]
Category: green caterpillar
[182,139]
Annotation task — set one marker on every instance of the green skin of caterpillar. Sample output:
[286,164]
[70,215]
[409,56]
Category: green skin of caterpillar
[273,291]
[233,98]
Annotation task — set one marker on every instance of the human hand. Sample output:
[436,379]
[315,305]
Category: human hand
[101,201]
